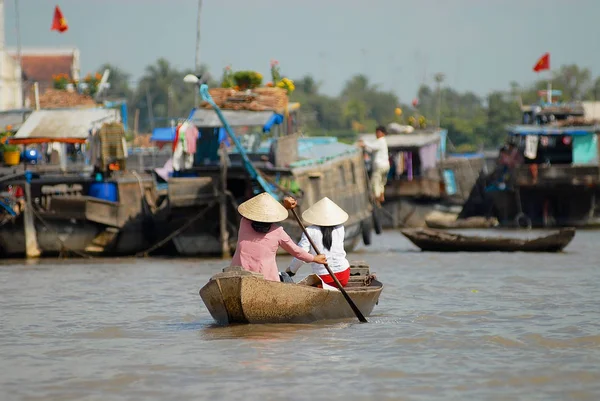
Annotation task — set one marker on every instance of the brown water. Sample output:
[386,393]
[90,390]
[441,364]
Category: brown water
[448,327]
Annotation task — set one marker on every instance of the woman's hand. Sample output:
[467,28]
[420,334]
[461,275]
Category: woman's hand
[289,203]
[320,259]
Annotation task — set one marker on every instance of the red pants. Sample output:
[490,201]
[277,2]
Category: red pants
[342,277]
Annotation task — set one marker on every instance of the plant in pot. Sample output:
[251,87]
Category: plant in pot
[227,81]
[247,79]
[11,154]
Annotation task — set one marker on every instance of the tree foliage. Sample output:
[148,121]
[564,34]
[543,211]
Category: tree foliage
[472,121]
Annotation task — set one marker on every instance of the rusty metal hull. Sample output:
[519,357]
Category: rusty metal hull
[244,297]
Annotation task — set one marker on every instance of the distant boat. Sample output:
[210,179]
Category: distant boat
[240,296]
[440,241]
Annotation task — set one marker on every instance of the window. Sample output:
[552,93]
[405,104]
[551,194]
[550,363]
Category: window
[353,172]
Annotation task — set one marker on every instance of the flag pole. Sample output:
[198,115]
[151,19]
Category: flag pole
[19,52]
[549,88]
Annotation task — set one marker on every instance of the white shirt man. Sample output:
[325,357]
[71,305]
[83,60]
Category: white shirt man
[381,162]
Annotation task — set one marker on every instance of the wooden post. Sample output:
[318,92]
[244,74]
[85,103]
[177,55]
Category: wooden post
[136,122]
[32,249]
[225,251]
[36,95]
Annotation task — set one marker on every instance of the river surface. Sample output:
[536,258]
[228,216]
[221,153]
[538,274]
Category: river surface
[447,327]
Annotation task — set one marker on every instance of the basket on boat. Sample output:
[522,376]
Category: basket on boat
[258,99]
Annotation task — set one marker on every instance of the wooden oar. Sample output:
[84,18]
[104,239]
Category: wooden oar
[355,309]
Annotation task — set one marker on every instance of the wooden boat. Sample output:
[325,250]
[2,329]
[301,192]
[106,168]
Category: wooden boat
[240,296]
[437,219]
[439,241]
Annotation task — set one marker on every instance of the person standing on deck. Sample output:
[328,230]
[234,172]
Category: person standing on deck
[380,162]
[327,231]
[259,238]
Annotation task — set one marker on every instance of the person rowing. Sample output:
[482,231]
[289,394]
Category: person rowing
[259,237]
[326,229]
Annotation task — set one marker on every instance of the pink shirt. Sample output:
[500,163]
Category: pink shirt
[191,137]
[256,251]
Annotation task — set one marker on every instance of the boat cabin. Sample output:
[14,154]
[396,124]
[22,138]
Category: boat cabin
[267,146]
[414,157]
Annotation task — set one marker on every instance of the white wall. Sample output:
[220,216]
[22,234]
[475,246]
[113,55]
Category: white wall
[11,93]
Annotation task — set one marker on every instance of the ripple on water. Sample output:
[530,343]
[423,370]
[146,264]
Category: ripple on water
[130,330]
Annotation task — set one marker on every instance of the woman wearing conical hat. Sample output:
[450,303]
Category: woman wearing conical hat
[259,238]
[326,229]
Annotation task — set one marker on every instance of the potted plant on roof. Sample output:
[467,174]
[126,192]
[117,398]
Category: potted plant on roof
[10,153]
[247,79]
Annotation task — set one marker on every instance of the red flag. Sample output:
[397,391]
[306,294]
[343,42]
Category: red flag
[543,63]
[59,23]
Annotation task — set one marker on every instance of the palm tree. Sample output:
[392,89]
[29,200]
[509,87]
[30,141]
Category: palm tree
[439,78]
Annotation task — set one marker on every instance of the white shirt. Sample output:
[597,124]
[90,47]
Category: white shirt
[336,256]
[379,148]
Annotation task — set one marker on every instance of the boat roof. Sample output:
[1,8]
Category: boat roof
[62,125]
[207,118]
[551,130]
[313,150]
[416,139]
[163,134]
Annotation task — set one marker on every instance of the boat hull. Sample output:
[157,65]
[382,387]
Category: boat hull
[438,241]
[244,297]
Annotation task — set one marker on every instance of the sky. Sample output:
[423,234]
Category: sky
[480,45]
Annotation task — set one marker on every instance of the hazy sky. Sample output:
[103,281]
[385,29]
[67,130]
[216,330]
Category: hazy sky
[479,44]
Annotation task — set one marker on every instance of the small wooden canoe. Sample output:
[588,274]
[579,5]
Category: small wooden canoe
[240,296]
[440,241]
[437,219]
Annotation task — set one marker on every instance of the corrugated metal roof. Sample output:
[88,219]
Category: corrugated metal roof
[416,140]
[69,124]
[236,118]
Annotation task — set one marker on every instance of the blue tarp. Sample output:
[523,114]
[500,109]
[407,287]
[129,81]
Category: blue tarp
[275,119]
[585,149]
[450,182]
[166,134]
[466,155]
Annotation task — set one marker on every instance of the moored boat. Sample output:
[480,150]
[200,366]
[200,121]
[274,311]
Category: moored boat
[240,296]
[440,241]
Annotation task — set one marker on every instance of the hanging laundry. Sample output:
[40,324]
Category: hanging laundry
[113,145]
[191,138]
[531,145]
[178,156]
[176,139]
[399,163]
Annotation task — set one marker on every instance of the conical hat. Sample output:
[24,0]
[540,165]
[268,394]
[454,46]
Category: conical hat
[325,213]
[263,208]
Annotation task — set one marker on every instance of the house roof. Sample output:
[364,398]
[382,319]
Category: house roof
[43,67]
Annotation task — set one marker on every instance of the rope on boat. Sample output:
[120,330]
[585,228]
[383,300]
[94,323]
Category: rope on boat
[11,176]
[178,231]
[62,244]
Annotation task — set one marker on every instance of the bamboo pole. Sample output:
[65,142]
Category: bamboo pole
[225,251]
